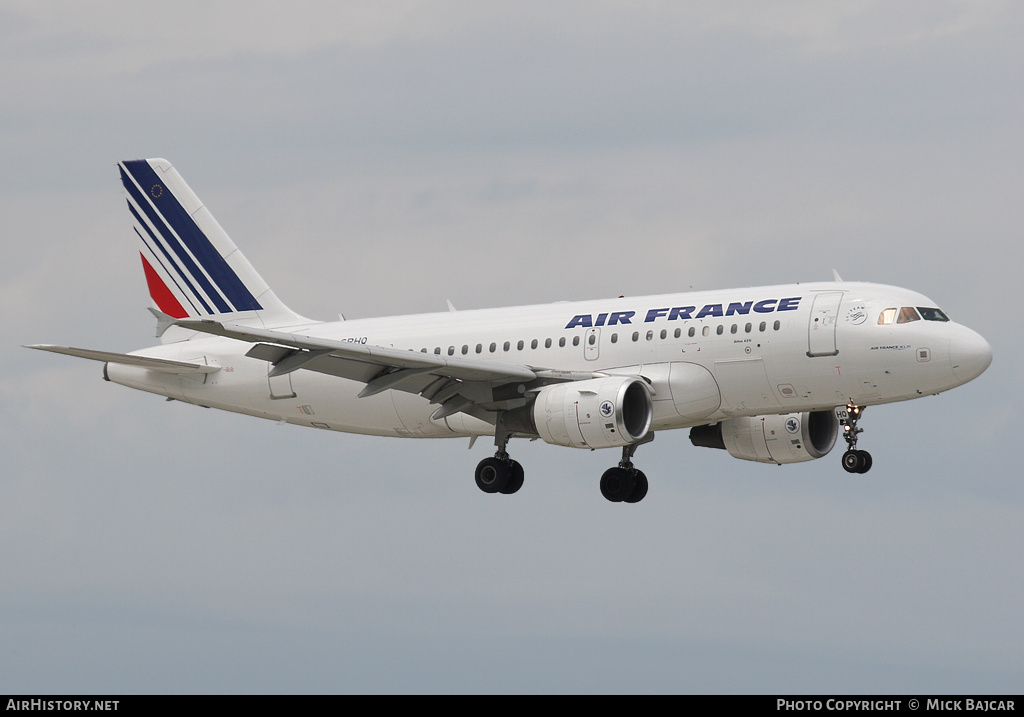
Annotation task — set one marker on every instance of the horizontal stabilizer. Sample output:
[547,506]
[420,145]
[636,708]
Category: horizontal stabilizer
[153,364]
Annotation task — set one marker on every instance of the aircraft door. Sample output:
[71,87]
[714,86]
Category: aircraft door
[821,331]
[592,344]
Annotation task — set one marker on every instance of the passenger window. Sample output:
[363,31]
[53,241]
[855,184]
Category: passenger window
[615,338]
[494,347]
[777,325]
[636,336]
[692,332]
[451,350]
[908,314]
[465,349]
[720,330]
[519,346]
[575,340]
[561,342]
[748,327]
[506,346]
[533,344]
[733,329]
[679,332]
[887,317]
[592,339]
[763,326]
[706,331]
[547,343]
[664,333]
[437,350]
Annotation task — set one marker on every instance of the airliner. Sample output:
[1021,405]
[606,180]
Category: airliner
[773,374]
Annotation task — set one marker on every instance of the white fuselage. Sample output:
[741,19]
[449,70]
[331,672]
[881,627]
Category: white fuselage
[707,356]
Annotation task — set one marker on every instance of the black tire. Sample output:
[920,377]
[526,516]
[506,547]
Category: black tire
[515,479]
[639,488]
[852,461]
[492,475]
[617,484]
[865,462]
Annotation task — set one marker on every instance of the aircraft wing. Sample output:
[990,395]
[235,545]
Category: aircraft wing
[456,383]
[153,364]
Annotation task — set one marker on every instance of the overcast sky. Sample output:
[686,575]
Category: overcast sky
[377,158]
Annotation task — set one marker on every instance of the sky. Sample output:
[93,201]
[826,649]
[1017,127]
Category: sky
[381,158]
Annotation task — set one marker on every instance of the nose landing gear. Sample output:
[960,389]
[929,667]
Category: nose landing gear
[854,461]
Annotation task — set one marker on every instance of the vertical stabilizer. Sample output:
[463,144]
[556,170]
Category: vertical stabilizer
[192,268]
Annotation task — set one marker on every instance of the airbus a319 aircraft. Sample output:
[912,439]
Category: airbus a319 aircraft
[774,374]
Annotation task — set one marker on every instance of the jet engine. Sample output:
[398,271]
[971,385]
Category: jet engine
[595,413]
[791,438]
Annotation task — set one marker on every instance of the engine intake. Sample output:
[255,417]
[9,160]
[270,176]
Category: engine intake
[791,438]
[596,413]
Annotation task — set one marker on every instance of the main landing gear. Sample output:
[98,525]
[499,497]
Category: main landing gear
[499,474]
[854,461]
[622,484]
[625,483]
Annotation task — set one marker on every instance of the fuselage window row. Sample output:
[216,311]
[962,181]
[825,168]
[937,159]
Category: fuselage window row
[649,336]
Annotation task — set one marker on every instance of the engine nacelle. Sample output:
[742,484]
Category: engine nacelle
[791,438]
[596,413]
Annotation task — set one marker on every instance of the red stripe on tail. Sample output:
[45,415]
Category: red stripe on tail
[163,297]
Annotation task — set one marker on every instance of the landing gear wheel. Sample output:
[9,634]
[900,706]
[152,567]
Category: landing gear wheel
[515,479]
[617,484]
[624,483]
[851,461]
[639,488]
[865,462]
[493,474]
[855,461]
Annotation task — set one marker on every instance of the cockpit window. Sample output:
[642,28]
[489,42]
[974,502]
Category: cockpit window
[908,314]
[932,314]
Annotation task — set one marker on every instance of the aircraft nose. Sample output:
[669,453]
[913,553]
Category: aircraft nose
[970,354]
